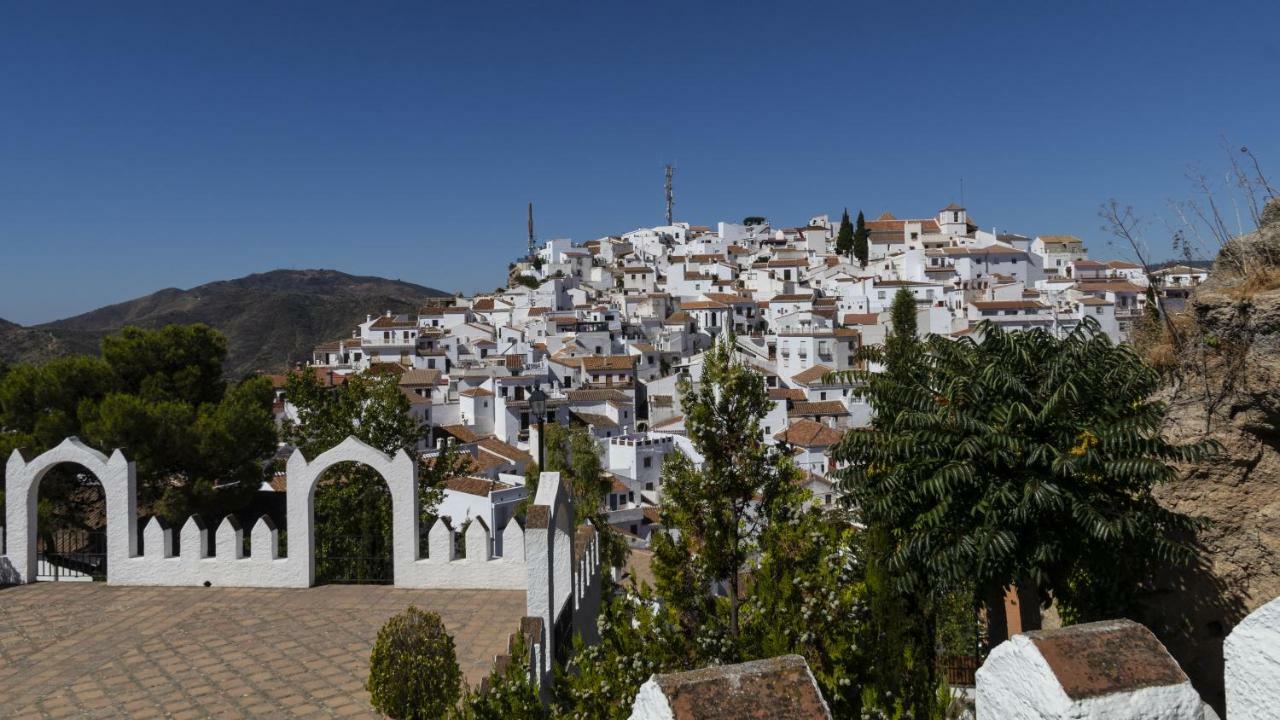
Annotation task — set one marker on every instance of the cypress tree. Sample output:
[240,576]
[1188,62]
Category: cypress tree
[860,236]
[844,239]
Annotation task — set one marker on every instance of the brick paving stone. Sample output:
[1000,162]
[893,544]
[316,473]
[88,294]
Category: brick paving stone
[87,650]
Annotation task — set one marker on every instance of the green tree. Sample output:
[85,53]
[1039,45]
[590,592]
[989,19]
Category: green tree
[711,506]
[199,442]
[903,328]
[901,630]
[1019,459]
[844,238]
[353,504]
[808,596]
[413,668]
[742,513]
[640,636]
[575,454]
[861,237]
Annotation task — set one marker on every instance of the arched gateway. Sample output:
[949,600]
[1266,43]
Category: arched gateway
[119,483]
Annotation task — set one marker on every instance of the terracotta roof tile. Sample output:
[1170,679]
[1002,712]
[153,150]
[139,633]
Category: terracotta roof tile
[812,375]
[780,688]
[809,433]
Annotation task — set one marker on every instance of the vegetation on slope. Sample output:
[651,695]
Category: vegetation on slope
[270,320]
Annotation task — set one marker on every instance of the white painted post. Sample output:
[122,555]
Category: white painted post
[230,539]
[264,541]
[193,545]
[513,542]
[440,542]
[477,541]
[157,540]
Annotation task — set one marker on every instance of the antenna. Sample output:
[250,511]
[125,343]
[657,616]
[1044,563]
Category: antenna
[531,243]
[670,196]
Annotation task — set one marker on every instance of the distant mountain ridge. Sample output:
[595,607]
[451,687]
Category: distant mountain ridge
[271,319]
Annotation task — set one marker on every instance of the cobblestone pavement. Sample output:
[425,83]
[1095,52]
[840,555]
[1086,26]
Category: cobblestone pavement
[89,650]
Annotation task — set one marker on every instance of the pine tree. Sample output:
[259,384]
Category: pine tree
[844,238]
[860,236]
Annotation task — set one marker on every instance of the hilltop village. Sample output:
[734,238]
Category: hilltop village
[603,332]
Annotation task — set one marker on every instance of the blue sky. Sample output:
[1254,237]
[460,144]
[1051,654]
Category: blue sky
[151,145]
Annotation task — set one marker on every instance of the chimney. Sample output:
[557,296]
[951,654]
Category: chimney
[368,318]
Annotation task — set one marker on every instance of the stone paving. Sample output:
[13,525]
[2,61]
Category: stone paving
[89,650]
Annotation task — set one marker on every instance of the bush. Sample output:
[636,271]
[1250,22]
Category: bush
[413,669]
[510,694]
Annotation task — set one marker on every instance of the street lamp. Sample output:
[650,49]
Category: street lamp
[538,406]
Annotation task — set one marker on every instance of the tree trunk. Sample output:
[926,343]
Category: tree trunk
[1029,606]
[997,621]
[733,604]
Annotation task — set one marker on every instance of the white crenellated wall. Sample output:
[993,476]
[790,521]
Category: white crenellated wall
[157,563]
[554,563]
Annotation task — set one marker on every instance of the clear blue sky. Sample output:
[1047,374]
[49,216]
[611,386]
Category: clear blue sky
[150,145]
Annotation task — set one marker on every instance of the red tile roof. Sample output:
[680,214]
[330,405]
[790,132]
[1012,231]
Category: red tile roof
[809,433]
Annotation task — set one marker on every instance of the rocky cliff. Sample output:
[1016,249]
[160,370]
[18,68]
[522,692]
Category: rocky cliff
[1228,389]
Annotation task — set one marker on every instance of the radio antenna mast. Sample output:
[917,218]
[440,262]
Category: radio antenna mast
[670,195]
[532,246]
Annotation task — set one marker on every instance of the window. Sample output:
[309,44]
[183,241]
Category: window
[648,486]
[1097,310]
[648,462]
[822,395]
[880,295]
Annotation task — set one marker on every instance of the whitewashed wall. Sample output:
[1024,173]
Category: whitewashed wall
[1017,683]
[553,562]
[1252,654]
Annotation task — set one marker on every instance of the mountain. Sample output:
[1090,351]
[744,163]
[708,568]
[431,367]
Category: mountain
[270,319]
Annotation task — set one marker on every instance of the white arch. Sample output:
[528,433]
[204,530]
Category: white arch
[119,484]
[400,473]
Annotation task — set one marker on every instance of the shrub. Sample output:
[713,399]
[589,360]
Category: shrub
[413,669]
[510,694]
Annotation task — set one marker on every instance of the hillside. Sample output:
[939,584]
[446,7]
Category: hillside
[270,319]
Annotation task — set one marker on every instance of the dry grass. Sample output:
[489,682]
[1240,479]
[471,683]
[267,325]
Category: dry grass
[1156,344]
[1258,280]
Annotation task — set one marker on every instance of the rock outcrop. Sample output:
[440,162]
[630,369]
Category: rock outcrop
[1229,390]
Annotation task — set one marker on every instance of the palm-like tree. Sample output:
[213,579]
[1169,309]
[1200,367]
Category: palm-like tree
[1017,458]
